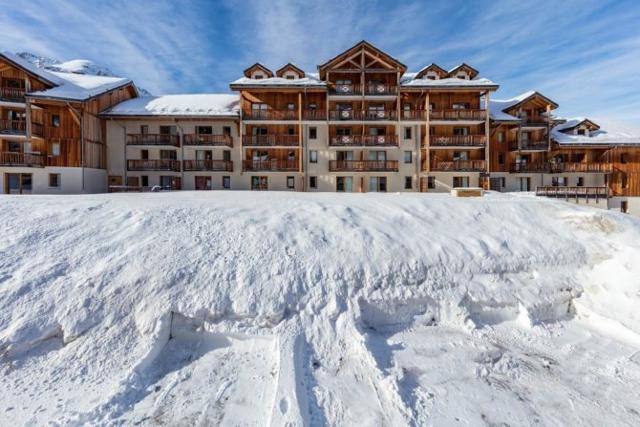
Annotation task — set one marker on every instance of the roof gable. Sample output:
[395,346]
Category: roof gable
[532,96]
[290,67]
[257,66]
[30,69]
[431,67]
[361,56]
[464,67]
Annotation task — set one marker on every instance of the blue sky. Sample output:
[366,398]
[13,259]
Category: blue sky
[583,54]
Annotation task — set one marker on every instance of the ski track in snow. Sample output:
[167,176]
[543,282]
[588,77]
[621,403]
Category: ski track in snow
[285,309]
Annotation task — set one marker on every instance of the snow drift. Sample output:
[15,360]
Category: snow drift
[238,308]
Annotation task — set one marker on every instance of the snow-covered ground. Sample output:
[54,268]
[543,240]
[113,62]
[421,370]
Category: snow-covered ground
[244,308]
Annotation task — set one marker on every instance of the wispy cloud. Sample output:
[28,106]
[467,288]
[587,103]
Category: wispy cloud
[582,53]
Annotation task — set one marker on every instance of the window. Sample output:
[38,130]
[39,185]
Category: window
[226,130]
[408,157]
[291,106]
[460,155]
[624,181]
[168,130]
[379,156]
[313,182]
[291,130]
[54,180]
[204,155]
[290,77]
[144,129]
[407,133]
[312,106]
[460,106]
[461,131]
[55,120]
[378,184]
[291,182]
[55,149]
[226,182]
[408,183]
[259,183]
[431,182]
[145,180]
[313,156]
[258,76]
[500,159]
[204,130]
[168,155]
[581,132]
[226,155]
[623,158]
[580,181]
[460,181]
[313,133]
[344,184]
[144,154]
[500,137]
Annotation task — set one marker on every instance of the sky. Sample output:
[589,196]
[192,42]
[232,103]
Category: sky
[585,55]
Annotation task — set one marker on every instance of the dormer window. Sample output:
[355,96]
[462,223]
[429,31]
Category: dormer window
[258,76]
[290,77]
[431,77]
[462,76]
[582,132]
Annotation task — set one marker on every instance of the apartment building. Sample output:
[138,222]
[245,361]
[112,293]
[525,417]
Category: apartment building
[362,122]
[51,138]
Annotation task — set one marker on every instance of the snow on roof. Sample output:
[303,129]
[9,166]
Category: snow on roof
[310,79]
[80,87]
[214,104]
[610,133]
[409,80]
[31,68]
[497,106]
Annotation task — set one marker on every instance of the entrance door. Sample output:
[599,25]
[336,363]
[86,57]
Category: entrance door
[203,183]
[259,183]
[525,184]
[18,183]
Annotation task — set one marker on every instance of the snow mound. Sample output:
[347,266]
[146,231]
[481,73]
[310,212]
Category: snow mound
[243,308]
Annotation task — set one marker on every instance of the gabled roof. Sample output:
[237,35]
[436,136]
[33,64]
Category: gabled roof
[189,105]
[258,66]
[611,134]
[468,68]
[516,101]
[573,123]
[431,67]
[360,45]
[35,72]
[310,80]
[290,66]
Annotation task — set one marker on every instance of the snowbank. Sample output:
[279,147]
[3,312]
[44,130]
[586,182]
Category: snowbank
[307,309]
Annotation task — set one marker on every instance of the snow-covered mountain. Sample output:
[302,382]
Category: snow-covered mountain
[77,66]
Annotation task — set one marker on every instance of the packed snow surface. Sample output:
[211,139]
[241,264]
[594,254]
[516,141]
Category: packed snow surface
[287,309]
[219,104]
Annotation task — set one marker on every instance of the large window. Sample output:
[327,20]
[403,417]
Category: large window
[313,182]
[259,183]
[408,183]
[344,184]
[378,184]
[408,157]
[313,156]
[407,133]
[226,182]
[313,133]
[204,130]
[460,181]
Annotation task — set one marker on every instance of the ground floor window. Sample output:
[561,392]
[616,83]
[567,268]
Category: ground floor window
[525,184]
[497,184]
[460,181]
[226,182]
[18,183]
[580,181]
[54,180]
[378,184]
[145,180]
[344,184]
[259,183]
[291,182]
[170,182]
[558,181]
[431,182]
[408,183]
[313,182]
[203,182]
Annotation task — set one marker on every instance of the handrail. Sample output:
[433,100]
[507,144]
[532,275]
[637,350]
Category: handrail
[151,165]
[208,165]
[275,165]
[458,140]
[458,114]
[363,165]
[272,140]
[153,139]
[208,139]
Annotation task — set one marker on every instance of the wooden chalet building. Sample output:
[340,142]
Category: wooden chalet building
[360,123]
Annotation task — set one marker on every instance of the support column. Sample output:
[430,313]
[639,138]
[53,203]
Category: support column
[427,136]
[487,131]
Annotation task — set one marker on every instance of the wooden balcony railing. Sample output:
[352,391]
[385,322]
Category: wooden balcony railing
[363,140]
[37,129]
[13,127]
[363,166]
[541,167]
[380,140]
[573,192]
[9,158]
[345,89]
[529,146]
[459,166]
[153,165]
[413,115]
[464,114]
[380,89]
[271,165]
[271,115]
[458,140]
[346,141]
[153,139]
[12,94]
[208,140]
[379,115]
[283,140]
[580,167]
[345,115]
[534,122]
[208,165]
[314,115]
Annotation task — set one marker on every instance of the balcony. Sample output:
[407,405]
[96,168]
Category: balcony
[363,166]
[458,114]
[414,115]
[154,165]
[314,115]
[523,167]
[535,122]
[380,89]
[580,167]
[271,165]
[9,158]
[208,165]
[153,139]
[13,127]
[374,115]
[271,115]
[208,140]
[277,140]
[573,192]
[459,166]
[345,90]
[363,141]
[12,94]
[529,146]
[458,141]
[345,115]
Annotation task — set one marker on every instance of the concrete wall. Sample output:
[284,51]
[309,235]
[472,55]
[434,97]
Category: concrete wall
[71,180]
